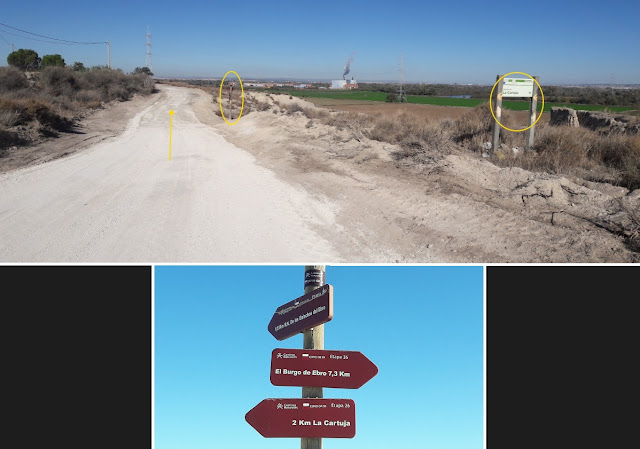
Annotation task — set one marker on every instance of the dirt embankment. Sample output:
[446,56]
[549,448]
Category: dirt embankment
[94,127]
[449,206]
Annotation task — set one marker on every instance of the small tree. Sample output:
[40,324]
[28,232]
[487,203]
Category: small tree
[144,70]
[79,67]
[52,61]
[24,59]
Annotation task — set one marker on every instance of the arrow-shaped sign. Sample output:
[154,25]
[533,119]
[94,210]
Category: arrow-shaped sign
[305,312]
[304,418]
[320,368]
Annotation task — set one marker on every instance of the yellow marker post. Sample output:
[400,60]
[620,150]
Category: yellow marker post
[170,126]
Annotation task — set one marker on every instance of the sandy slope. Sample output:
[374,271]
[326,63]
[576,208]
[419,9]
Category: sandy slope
[123,201]
[445,208]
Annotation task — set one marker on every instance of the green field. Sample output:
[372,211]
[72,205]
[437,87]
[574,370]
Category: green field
[442,101]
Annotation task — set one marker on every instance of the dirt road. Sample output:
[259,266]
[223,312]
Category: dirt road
[122,200]
[280,188]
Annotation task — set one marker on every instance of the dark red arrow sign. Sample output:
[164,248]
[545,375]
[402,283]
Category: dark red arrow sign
[307,311]
[304,418]
[320,368]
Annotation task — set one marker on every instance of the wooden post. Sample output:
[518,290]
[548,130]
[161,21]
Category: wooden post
[532,115]
[498,113]
[109,54]
[313,339]
[230,105]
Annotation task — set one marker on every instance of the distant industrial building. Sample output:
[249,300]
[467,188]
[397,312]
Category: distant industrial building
[344,84]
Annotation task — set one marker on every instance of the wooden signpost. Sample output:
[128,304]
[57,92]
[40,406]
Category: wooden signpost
[515,88]
[311,417]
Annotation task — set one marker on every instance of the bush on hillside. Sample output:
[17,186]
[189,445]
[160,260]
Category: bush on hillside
[52,61]
[11,79]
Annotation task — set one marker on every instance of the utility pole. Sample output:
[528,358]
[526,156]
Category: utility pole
[13,48]
[148,58]
[109,54]
[314,277]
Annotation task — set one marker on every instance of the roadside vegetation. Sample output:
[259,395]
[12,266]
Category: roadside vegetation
[41,97]
[579,152]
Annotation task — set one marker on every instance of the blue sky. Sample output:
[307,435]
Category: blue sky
[422,327]
[462,41]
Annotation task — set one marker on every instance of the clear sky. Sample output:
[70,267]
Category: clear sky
[422,327]
[462,41]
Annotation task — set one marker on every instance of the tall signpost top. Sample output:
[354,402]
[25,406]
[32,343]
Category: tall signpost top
[312,417]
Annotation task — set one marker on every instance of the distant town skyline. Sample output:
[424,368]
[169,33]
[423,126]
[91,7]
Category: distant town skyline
[458,42]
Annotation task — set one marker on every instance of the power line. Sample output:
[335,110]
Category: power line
[64,41]
[4,39]
[34,39]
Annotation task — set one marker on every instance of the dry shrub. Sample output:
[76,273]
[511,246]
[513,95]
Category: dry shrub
[622,152]
[581,152]
[88,97]
[385,129]
[476,122]
[35,109]
[476,127]
[60,81]
[12,79]
[8,118]
[562,148]
[292,108]
[262,105]
[315,113]
[338,120]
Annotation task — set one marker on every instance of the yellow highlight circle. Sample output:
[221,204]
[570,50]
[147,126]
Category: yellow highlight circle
[220,97]
[491,107]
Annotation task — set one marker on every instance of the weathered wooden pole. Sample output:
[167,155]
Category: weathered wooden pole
[498,114]
[533,106]
[314,277]
[230,104]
